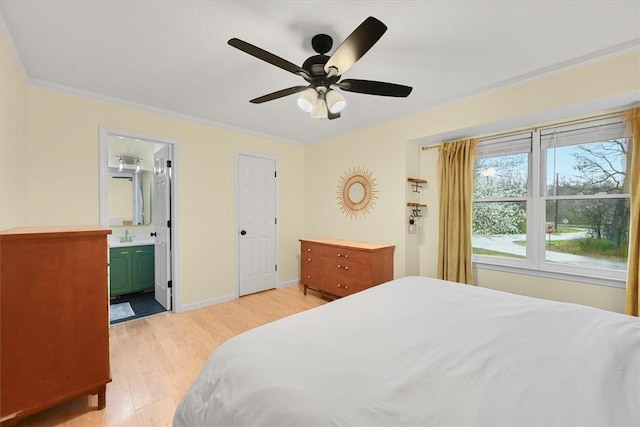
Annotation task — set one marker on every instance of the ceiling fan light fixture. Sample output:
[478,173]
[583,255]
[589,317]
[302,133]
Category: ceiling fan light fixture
[307,100]
[335,101]
[320,110]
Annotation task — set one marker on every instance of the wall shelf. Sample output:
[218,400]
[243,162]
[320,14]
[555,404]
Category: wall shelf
[416,184]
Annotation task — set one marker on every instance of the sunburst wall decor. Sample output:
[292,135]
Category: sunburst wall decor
[357,192]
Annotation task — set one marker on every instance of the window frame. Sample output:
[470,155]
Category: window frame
[535,262]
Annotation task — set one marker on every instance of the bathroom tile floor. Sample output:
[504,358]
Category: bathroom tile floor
[143,305]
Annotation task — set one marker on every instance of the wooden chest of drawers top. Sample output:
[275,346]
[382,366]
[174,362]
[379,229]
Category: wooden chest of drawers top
[340,250]
[347,244]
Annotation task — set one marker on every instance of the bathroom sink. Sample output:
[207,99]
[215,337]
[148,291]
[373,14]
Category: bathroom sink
[135,240]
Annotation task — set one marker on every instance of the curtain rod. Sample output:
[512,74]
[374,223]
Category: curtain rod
[515,132]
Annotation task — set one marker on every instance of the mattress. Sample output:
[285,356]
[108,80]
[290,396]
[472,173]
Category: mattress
[419,351]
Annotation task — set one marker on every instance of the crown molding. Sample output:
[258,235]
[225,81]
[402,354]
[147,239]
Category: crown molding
[156,110]
[9,40]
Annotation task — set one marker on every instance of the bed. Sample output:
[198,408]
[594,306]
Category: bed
[418,351]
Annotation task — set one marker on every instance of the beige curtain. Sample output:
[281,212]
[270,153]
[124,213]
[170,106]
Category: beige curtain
[456,187]
[633,296]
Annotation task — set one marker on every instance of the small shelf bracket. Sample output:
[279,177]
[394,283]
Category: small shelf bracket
[416,209]
[416,184]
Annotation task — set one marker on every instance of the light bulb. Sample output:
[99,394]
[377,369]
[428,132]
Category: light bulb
[307,100]
[320,108]
[335,101]
[120,164]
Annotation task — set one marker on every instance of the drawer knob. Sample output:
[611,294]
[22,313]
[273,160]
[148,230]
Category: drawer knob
[308,277]
[339,255]
[347,267]
[346,287]
[339,285]
[308,249]
[308,259]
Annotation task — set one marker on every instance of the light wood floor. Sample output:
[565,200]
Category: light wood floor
[155,360]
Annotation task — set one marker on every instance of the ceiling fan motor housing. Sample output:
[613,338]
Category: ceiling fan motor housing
[322,43]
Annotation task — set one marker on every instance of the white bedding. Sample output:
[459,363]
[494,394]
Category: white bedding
[419,351]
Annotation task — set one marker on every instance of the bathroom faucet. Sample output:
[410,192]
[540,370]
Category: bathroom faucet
[126,238]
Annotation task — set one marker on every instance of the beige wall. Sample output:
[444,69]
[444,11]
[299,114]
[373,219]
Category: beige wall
[384,155]
[63,154]
[412,241]
[382,149]
[605,297]
[14,171]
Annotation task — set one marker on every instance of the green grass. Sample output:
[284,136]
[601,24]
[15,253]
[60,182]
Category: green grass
[597,248]
[480,251]
[589,246]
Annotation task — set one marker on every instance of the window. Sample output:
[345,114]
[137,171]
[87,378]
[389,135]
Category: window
[555,201]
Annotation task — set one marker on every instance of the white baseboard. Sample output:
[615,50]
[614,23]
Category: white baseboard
[288,283]
[205,303]
[225,298]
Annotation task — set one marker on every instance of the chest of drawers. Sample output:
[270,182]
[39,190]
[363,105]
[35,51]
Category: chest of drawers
[54,322]
[341,267]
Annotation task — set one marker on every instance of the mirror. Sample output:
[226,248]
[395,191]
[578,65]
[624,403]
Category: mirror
[356,192]
[129,182]
[129,197]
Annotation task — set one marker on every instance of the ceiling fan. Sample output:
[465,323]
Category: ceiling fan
[323,72]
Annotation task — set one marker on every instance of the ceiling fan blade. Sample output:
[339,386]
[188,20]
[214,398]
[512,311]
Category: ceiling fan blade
[356,45]
[278,94]
[267,57]
[371,87]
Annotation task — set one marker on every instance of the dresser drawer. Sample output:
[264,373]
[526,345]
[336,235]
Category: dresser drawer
[344,268]
[342,286]
[310,276]
[313,249]
[344,254]
[310,261]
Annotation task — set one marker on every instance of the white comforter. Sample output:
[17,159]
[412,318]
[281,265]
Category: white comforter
[419,351]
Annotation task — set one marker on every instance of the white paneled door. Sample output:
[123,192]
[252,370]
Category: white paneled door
[162,221]
[257,224]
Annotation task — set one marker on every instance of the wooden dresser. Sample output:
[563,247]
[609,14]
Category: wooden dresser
[54,318]
[341,267]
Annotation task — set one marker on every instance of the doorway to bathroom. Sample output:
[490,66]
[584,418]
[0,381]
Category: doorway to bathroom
[137,193]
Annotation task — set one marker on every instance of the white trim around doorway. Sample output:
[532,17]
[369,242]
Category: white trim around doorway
[103,160]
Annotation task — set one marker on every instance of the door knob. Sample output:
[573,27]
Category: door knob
[242,232]
[152,234]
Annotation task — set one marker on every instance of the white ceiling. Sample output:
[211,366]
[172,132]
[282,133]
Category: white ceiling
[173,55]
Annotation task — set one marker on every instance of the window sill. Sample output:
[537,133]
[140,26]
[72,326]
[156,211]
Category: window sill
[551,274]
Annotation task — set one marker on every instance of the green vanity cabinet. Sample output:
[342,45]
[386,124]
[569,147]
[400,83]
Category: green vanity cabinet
[120,277]
[131,269]
[143,272]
